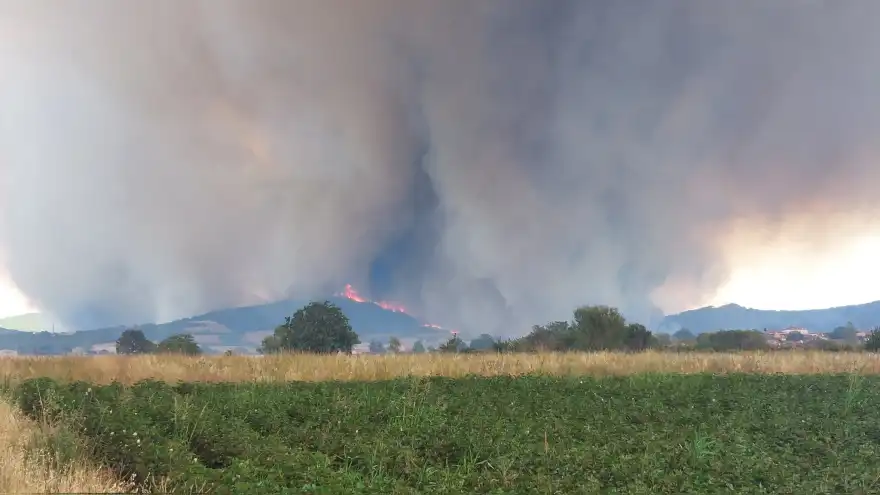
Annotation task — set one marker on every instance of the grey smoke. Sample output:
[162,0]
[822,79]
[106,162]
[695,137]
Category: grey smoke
[507,159]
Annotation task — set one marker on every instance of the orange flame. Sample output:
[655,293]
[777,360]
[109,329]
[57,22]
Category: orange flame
[352,294]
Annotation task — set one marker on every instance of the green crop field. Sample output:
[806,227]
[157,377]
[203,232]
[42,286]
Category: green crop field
[646,434]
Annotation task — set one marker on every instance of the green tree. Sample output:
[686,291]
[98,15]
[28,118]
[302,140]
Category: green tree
[638,338]
[732,340]
[133,341]
[506,345]
[872,343]
[180,344]
[394,345]
[846,332]
[319,327]
[270,345]
[684,335]
[595,328]
[832,345]
[377,347]
[795,337]
[599,328]
[484,342]
[418,347]
[554,336]
[454,344]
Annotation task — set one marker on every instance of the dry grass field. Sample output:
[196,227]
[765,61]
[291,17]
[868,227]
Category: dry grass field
[26,465]
[130,369]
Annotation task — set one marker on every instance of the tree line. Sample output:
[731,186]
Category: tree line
[842,338]
[134,341]
[323,328]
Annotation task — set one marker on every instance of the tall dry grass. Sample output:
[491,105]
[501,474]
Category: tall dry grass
[129,369]
[27,465]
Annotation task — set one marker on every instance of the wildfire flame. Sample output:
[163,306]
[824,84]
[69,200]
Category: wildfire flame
[352,294]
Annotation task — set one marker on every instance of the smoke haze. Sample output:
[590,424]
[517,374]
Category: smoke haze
[490,164]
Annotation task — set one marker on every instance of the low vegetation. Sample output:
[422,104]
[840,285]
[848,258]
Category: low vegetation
[133,341]
[36,457]
[593,328]
[647,434]
[596,404]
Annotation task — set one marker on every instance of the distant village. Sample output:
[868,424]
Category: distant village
[800,337]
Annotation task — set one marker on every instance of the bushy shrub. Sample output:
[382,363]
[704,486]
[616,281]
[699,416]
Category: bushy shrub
[180,344]
[872,343]
[732,340]
[594,328]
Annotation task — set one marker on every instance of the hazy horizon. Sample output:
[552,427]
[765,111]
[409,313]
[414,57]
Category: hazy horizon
[58,325]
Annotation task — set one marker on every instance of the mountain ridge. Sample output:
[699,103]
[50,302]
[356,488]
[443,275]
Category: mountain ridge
[242,328]
[734,316]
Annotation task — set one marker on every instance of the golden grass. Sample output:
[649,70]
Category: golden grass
[27,468]
[129,369]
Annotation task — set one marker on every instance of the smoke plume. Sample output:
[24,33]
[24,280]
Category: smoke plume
[491,164]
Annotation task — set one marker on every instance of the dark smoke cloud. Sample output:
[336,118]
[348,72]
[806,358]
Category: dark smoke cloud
[492,164]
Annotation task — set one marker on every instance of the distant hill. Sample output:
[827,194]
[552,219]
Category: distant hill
[242,328]
[735,317]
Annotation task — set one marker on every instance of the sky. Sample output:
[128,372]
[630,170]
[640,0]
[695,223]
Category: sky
[491,165]
[783,276]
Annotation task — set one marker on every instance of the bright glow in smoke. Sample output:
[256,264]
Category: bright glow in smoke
[786,277]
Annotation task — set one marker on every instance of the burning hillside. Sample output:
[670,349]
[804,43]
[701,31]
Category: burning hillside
[350,293]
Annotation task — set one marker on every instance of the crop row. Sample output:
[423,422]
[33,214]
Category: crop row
[641,434]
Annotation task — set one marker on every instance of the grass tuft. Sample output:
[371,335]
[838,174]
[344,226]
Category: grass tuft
[38,458]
